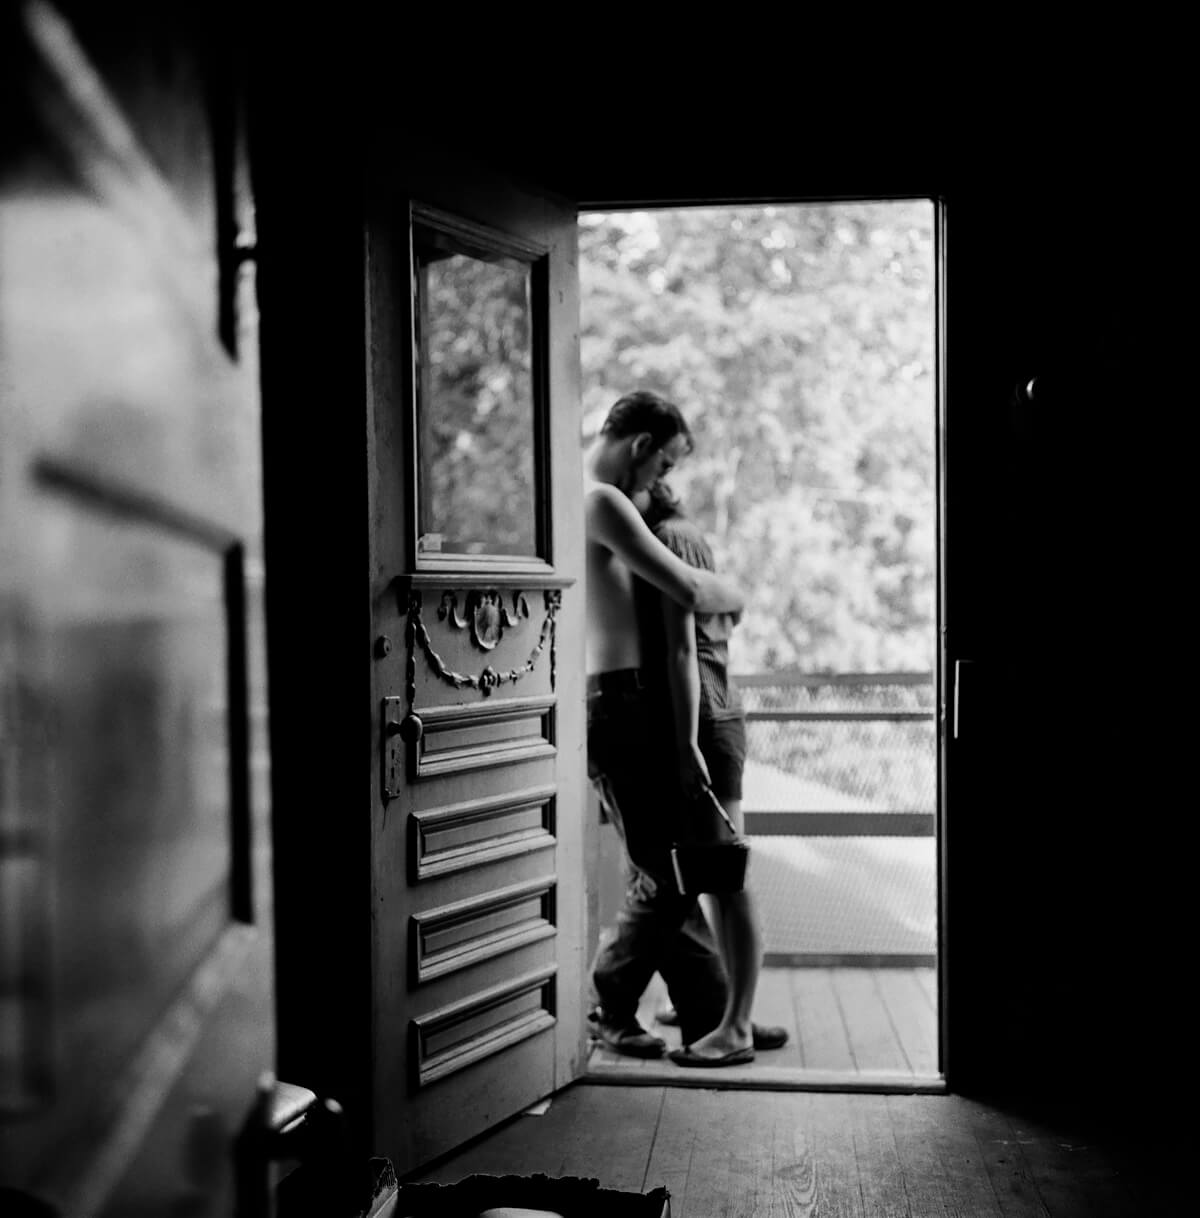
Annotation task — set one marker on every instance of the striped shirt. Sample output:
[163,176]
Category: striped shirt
[719,695]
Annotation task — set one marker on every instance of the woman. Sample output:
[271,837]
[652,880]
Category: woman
[687,656]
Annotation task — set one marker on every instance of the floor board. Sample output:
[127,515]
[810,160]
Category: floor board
[943,1168]
[740,1154]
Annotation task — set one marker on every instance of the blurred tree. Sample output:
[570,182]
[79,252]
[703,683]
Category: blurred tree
[477,429]
[799,342]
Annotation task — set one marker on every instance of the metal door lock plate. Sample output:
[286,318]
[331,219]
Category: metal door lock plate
[394,747]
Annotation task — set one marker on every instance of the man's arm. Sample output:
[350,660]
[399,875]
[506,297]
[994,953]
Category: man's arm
[683,679]
[613,521]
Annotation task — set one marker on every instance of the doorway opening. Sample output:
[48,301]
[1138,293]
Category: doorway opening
[801,342]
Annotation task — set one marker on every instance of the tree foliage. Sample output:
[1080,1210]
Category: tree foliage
[476,427]
[799,342]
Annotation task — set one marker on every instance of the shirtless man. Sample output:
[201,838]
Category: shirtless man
[630,755]
[643,438]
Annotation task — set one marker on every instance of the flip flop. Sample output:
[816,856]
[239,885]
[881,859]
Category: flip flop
[686,1057]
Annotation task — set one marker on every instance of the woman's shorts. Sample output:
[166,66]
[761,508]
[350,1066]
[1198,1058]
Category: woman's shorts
[723,744]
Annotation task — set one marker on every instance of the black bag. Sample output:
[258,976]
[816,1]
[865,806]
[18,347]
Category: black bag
[713,867]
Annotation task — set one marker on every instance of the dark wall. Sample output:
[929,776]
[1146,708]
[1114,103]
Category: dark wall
[307,158]
[1060,899]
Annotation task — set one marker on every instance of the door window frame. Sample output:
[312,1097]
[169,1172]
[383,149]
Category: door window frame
[480,236]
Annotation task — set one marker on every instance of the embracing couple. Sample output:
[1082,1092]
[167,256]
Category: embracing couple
[665,725]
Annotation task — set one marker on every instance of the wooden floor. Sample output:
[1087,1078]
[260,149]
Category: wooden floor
[738,1154]
[850,1029]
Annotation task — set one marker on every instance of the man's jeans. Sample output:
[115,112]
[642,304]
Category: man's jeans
[661,932]
[631,764]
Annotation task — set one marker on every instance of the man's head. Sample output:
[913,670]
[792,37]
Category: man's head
[648,435]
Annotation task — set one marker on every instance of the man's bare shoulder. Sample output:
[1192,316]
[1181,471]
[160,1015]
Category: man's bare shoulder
[600,492]
[603,505]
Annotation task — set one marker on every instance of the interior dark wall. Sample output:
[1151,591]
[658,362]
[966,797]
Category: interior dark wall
[307,156]
[1048,911]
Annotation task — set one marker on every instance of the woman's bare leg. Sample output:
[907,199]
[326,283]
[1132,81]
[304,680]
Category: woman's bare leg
[735,921]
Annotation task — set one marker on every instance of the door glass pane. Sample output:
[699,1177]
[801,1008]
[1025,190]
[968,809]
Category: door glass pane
[476,477]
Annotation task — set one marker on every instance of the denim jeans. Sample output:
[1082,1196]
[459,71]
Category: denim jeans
[631,764]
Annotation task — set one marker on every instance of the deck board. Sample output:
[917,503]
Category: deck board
[870,1030]
[773,1004]
[824,1036]
[848,1027]
[903,998]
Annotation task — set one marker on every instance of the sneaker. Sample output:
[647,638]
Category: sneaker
[628,1038]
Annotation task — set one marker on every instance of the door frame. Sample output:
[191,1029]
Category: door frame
[944,689]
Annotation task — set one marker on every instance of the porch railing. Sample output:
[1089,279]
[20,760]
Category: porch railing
[841,777]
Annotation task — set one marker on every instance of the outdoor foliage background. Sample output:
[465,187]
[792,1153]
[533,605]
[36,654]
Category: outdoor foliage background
[799,342]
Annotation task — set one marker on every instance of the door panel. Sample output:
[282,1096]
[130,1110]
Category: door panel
[477,540]
[136,956]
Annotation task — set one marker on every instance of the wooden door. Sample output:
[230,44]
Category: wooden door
[478,771]
[136,1010]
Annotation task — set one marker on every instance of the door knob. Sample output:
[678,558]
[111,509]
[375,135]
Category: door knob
[288,1122]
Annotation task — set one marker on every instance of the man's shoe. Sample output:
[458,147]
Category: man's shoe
[768,1036]
[630,1038]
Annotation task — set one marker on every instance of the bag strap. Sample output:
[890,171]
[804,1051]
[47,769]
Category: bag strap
[716,803]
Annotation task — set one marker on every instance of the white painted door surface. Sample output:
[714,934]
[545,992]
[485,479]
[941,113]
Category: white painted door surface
[478,767]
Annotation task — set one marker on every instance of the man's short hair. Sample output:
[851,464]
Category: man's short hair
[645,411]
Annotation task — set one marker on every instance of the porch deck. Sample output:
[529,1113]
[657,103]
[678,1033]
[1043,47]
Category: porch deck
[851,1029]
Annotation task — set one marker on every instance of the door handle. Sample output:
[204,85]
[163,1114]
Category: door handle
[287,1122]
[961,668]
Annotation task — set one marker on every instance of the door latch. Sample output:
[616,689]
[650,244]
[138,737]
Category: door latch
[399,729]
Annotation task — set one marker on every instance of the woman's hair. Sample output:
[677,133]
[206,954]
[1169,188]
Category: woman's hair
[663,505]
[644,411]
